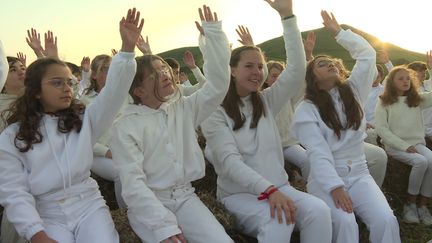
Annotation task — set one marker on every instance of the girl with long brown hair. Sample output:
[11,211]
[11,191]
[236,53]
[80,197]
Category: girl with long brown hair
[330,124]
[45,152]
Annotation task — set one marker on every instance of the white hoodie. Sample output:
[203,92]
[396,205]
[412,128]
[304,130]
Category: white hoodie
[59,166]
[157,149]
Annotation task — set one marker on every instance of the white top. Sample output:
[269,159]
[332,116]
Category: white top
[284,119]
[371,103]
[250,160]
[427,113]
[59,166]
[4,66]
[157,149]
[188,90]
[330,157]
[5,99]
[400,126]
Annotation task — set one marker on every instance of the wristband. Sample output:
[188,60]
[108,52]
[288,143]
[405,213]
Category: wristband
[266,195]
[288,17]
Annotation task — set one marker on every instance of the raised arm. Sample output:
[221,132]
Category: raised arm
[119,78]
[33,40]
[309,45]
[364,71]
[51,49]
[144,45]
[245,36]
[216,54]
[189,60]
[4,66]
[291,81]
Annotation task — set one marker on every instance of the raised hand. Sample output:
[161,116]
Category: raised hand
[51,49]
[33,40]
[342,199]
[429,59]
[282,205]
[309,45]
[245,36]
[206,15]
[330,22]
[382,56]
[283,7]
[22,58]
[189,60]
[144,45]
[85,64]
[113,52]
[130,30]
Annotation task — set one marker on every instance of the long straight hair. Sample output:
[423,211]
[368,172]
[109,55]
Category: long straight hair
[232,101]
[324,102]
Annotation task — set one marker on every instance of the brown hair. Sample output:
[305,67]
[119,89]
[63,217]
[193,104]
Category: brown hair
[146,70]
[27,110]
[96,66]
[232,101]
[324,102]
[390,94]
[270,65]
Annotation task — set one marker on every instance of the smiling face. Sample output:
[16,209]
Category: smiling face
[248,73]
[56,88]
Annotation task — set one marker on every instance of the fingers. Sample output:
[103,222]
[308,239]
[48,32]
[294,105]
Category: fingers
[199,27]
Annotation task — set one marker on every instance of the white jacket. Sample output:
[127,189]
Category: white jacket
[59,166]
[250,160]
[157,149]
[4,66]
[330,157]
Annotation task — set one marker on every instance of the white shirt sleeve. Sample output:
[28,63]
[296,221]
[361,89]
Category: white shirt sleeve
[4,66]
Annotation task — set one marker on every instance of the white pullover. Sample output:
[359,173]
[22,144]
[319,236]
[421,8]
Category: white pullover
[59,166]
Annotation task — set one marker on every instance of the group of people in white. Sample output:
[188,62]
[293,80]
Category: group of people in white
[129,121]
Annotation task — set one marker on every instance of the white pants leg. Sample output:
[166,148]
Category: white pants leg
[296,154]
[8,232]
[376,159]
[78,219]
[371,136]
[195,219]
[370,205]
[104,167]
[420,179]
[253,217]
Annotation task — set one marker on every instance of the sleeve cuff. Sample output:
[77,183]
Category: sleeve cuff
[166,232]
[33,230]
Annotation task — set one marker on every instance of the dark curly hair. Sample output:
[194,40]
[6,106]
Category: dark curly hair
[27,111]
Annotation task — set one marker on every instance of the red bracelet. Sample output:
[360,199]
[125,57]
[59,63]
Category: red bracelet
[266,195]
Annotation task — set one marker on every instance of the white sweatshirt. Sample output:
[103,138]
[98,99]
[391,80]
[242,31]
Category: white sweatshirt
[4,66]
[371,103]
[59,166]
[250,160]
[284,119]
[400,126]
[187,90]
[329,156]
[157,149]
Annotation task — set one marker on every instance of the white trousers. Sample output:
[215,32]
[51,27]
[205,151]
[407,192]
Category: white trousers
[79,219]
[195,219]
[253,217]
[420,178]
[296,154]
[376,159]
[369,204]
[104,167]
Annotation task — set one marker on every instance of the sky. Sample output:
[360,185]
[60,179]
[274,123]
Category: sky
[90,27]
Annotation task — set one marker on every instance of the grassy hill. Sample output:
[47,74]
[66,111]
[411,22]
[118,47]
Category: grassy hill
[326,44]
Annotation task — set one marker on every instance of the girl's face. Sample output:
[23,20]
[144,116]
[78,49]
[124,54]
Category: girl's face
[248,74]
[162,83]
[326,73]
[56,88]
[272,76]
[101,75]
[15,78]
[402,81]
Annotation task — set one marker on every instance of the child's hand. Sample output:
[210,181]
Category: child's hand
[205,15]
[130,30]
